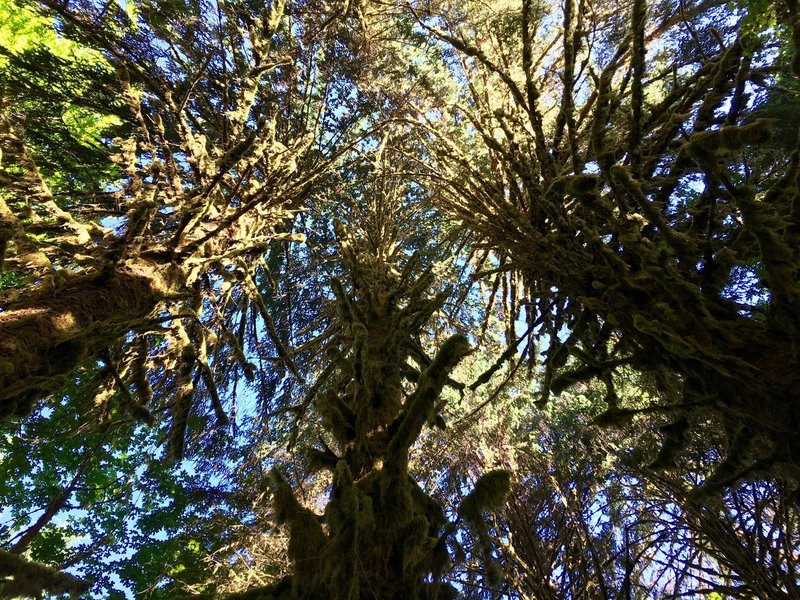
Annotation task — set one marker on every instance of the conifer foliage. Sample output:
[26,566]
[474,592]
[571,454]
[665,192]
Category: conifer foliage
[623,168]
[212,159]
[300,252]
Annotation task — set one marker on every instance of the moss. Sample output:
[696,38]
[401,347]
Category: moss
[317,460]
[414,536]
[615,417]
[9,228]
[419,406]
[65,356]
[707,146]
[570,378]
[494,573]
[427,507]
[675,435]
[306,540]
[181,407]
[638,52]
[22,578]
[337,417]
[394,492]
[139,373]
[440,557]
[581,185]
[558,187]
[344,499]
[489,494]
[439,591]
[78,320]
[735,137]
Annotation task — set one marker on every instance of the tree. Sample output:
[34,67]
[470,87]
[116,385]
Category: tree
[628,190]
[380,533]
[585,519]
[218,161]
[148,261]
[596,179]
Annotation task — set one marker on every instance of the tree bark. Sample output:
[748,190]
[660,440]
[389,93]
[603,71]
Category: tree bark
[48,334]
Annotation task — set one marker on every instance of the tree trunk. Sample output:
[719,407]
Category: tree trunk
[48,334]
[383,536]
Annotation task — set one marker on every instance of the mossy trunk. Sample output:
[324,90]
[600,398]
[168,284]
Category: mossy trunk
[381,535]
[20,578]
[47,334]
[744,370]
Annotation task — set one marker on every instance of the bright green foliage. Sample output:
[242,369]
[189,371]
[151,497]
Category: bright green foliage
[66,91]
[399,300]
[22,29]
[111,506]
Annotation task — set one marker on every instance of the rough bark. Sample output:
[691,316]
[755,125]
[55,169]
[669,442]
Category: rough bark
[45,335]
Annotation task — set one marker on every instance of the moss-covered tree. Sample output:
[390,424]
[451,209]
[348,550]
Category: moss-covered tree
[609,176]
[153,266]
[618,165]
[380,534]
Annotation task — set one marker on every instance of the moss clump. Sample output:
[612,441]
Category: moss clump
[420,405]
[580,185]
[753,134]
[673,444]
[489,494]
[307,540]
[615,417]
[570,378]
[704,146]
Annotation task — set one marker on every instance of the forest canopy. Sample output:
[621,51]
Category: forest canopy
[399,300]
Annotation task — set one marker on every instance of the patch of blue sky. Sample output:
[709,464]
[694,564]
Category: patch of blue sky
[688,189]
[746,288]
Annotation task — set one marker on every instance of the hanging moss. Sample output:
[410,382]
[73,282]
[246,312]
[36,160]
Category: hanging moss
[489,494]
[9,227]
[347,515]
[615,417]
[343,507]
[570,378]
[414,536]
[338,418]
[427,507]
[675,436]
[735,137]
[581,185]
[494,573]
[184,396]
[418,408]
[575,185]
[307,539]
[139,372]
